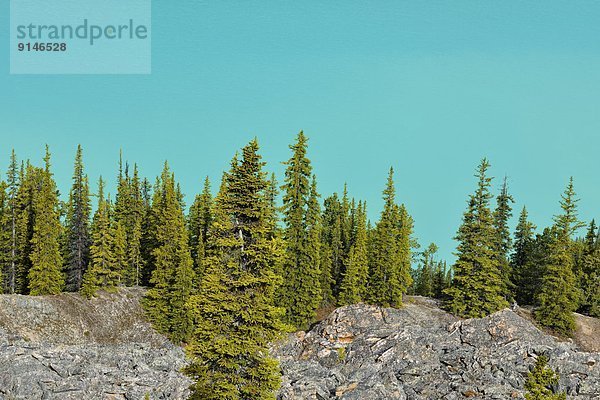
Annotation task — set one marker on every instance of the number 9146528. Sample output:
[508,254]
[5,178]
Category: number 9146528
[42,46]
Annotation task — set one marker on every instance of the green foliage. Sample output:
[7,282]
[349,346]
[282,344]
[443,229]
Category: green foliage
[30,178]
[332,250]
[502,215]
[300,293]
[540,381]
[590,273]
[129,212]
[477,288]
[199,221]
[9,225]
[173,275]
[77,226]
[5,240]
[354,289]
[234,313]
[45,276]
[390,255]
[430,277]
[104,271]
[524,270]
[558,296]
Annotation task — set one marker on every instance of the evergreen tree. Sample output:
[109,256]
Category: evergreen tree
[558,296]
[442,279]
[332,252]
[129,212]
[590,268]
[389,276]
[502,215]
[199,221]
[540,382]
[45,276]
[147,242]
[173,274]
[235,319]
[103,272]
[300,293]
[30,178]
[427,274]
[11,223]
[77,226]
[525,276]
[272,209]
[5,259]
[477,289]
[133,235]
[353,288]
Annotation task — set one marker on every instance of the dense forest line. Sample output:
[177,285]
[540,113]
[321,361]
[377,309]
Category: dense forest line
[238,269]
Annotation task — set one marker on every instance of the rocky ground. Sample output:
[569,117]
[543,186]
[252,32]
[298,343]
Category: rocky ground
[67,347]
[420,352]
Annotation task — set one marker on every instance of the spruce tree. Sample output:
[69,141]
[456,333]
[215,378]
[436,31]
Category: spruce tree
[30,178]
[77,226]
[540,382]
[199,221]
[234,313]
[353,289]
[133,232]
[5,241]
[389,276]
[272,209]
[524,271]
[103,271]
[128,211]
[332,252]
[502,215]
[441,279]
[11,225]
[300,293]
[147,242]
[45,276]
[590,266]
[477,288]
[173,274]
[427,274]
[558,295]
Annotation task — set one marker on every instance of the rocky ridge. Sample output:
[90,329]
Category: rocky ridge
[67,347]
[420,352]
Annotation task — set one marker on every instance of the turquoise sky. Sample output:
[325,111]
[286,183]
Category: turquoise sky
[428,87]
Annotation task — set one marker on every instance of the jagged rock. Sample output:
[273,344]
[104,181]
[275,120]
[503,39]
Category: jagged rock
[69,348]
[66,347]
[421,352]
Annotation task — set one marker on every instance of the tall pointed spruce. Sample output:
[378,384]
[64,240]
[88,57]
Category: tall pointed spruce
[558,296]
[173,276]
[502,215]
[45,276]
[524,276]
[103,272]
[12,215]
[477,289]
[389,276]
[199,220]
[300,293]
[354,284]
[77,226]
[590,280]
[234,313]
